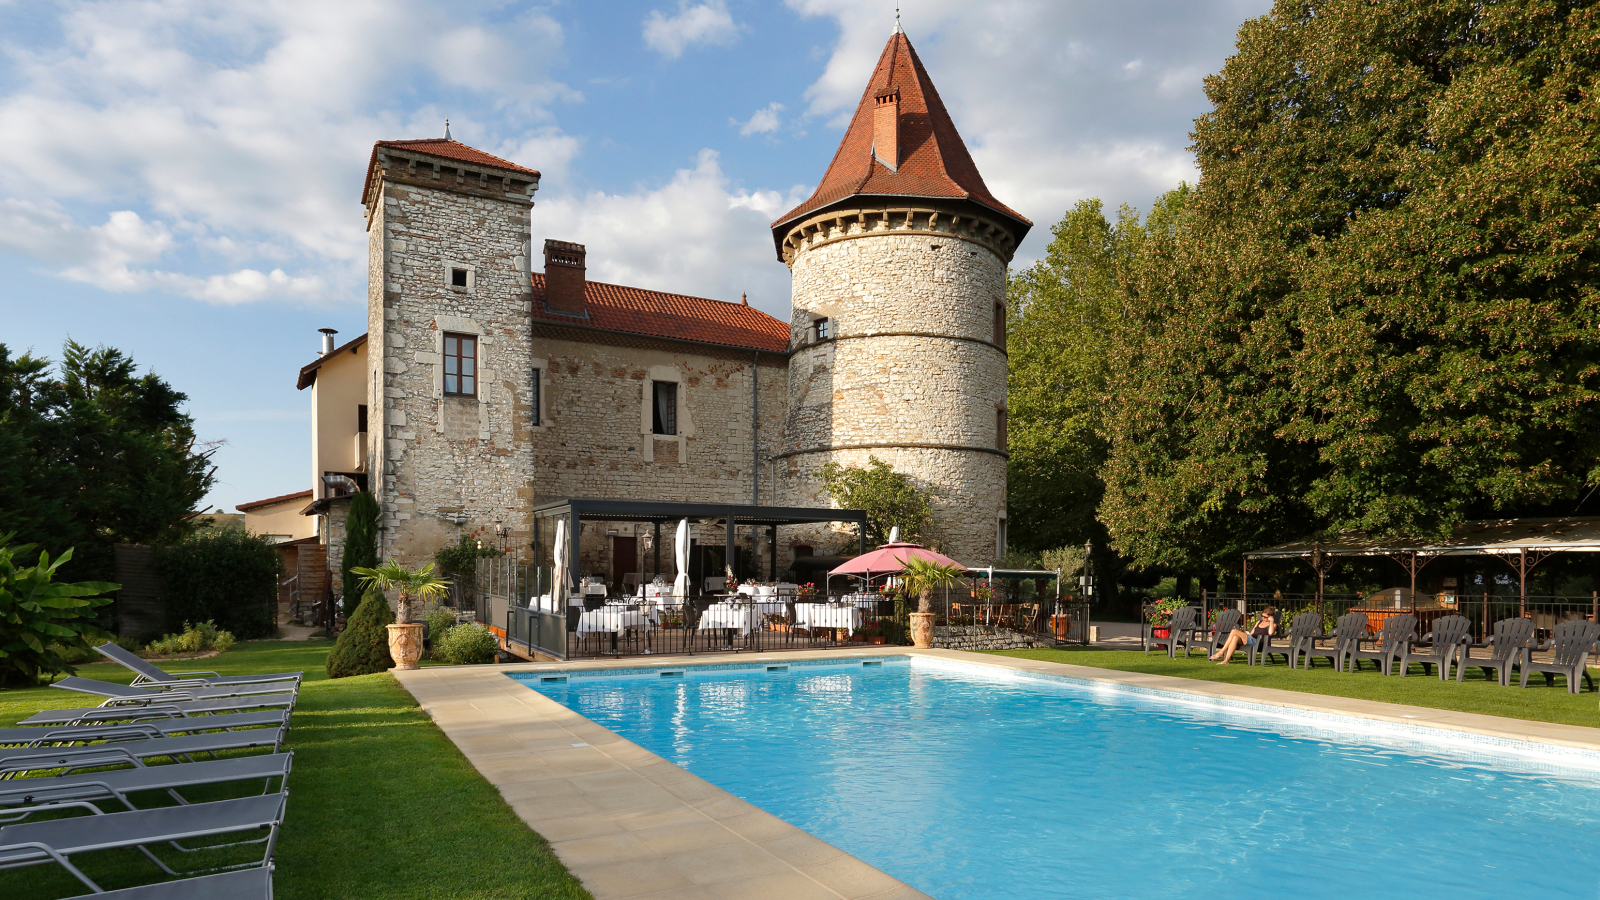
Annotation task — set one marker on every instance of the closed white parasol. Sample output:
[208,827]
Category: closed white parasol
[680,585]
[559,592]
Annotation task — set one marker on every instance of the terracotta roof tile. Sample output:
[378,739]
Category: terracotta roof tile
[934,161]
[613,307]
[444,149]
[273,501]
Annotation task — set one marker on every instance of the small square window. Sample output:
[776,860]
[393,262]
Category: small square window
[458,278]
[824,329]
[460,365]
[664,417]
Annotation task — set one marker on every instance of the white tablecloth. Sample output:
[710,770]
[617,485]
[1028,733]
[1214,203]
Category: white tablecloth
[721,615]
[612,619]
[821,615]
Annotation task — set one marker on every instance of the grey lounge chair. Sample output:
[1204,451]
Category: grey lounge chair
[1447,644]
[170,708]
[1388,644]
[1506,647]
[17,760]
[1571,643]
[149,675]
[240,884]
[1305,627]
[146,728]
[1346,633]
[1185,620]
[127,693]
[57,840]
[90,790]
[1227,621]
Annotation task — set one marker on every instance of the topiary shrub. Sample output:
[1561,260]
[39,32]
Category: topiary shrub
[360,546]
[468,644]
[226,577]
[363,646]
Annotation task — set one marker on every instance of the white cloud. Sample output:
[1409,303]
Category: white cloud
[703,23]
[696,234]
[235,135]
[764,121]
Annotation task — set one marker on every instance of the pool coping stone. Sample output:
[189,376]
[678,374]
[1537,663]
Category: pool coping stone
[634,826]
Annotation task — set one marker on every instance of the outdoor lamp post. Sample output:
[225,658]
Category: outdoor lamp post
[1086,580]
[501,531]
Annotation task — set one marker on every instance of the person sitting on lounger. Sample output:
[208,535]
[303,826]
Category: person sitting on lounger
[1265,627]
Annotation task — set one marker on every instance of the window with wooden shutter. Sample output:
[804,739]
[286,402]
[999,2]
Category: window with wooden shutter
[1000,430]
[460,365]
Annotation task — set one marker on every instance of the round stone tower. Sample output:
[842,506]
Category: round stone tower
[898,313]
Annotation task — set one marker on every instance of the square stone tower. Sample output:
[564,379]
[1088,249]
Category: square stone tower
[449,345]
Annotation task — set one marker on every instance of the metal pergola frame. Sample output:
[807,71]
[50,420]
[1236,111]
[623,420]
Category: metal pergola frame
[581,509]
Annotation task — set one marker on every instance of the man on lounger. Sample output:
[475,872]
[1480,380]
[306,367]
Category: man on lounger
[1265,627]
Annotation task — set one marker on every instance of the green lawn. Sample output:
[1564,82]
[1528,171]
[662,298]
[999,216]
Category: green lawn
[1475,695]
[381,804]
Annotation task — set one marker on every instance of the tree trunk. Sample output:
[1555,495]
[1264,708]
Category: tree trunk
[925,601]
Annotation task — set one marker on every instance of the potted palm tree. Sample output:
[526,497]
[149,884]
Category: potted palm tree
[405,636]
[922,577]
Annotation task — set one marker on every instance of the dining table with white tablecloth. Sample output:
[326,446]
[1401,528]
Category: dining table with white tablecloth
[823,615]
[742,616]
[612,619]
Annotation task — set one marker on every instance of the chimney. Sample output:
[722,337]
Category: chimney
[564,277]
[886,128]
[327,339]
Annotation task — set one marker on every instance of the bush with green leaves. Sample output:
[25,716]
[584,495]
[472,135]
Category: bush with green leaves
[439,619]
[360,546]
[193,639]
[468,644]
[39,614]
[363,646]
[226,577]
[889,499]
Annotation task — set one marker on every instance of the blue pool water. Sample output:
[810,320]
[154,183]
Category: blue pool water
[970,783]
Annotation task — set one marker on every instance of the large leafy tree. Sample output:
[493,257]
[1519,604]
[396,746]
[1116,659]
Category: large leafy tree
[1379,307]
[93,454]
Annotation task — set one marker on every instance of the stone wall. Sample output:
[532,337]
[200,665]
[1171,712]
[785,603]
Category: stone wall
[437,458]
[982,637]
[913,371]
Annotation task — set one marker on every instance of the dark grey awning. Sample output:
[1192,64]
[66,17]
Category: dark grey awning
[1491,536]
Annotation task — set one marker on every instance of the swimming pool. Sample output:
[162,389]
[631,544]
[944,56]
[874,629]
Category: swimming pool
[970,782]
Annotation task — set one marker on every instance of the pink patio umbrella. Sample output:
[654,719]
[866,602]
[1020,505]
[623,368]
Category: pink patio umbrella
[888,559]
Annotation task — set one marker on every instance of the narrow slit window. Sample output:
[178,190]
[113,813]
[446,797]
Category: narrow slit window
[1000,325]
[1000,430]
[533,399]
[665,408]
[460,365]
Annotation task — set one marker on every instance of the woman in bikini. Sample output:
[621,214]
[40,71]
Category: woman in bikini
[1265,627]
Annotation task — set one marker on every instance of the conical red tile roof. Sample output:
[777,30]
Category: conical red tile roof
[934,161]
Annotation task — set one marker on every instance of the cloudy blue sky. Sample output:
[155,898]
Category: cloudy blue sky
[181,178]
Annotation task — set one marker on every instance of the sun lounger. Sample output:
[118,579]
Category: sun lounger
[147,728]
[167,708]
[241,884]
[128,693]
[1570,646]
[57,840]
[1302,630]
[150,675]
[18,760]
[1346,633]
[1227,621]
[1185,621]
[26,796]
[1447,644]
[1388,644]
[1506,647]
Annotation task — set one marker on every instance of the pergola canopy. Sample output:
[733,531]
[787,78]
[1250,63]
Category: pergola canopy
[1494,536]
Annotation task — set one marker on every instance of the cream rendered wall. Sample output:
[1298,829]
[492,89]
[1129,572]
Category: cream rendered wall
[336,395]
[282,519]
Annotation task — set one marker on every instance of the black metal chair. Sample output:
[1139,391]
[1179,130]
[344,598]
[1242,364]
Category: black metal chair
[1571,643]
[1398,630]
[1447,644]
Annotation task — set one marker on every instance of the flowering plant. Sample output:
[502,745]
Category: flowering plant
[807,592]
[1160,612]
[982,592]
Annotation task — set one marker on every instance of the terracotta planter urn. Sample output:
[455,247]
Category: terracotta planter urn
[922,630]
[405,644]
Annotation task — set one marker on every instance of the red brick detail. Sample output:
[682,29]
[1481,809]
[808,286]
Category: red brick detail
[613,307]
[933,160]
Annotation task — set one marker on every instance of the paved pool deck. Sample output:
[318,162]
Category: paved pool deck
[630,824]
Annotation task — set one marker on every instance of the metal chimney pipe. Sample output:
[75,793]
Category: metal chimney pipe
[327,339]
